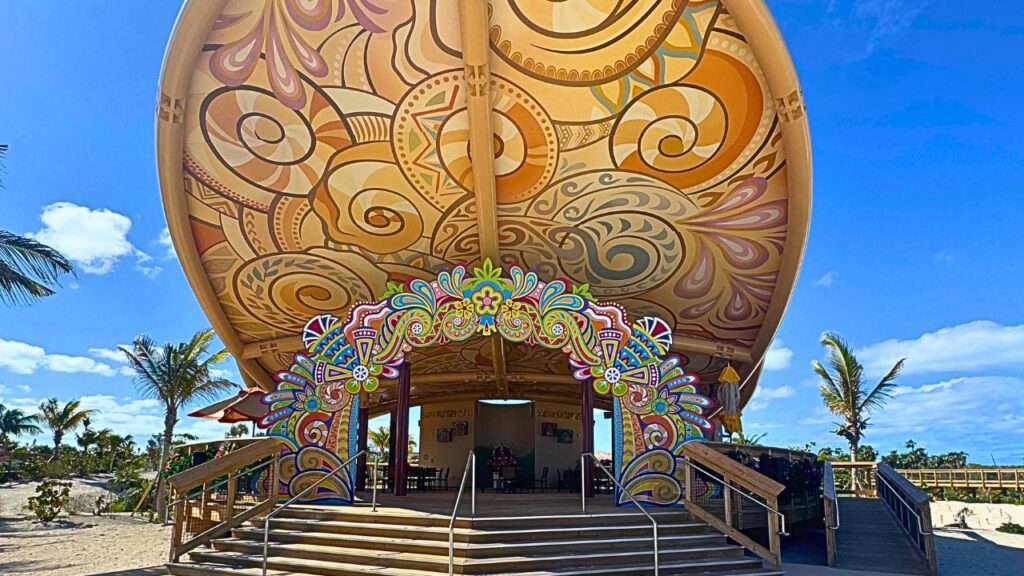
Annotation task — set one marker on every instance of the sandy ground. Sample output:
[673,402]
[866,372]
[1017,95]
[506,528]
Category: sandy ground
[984,516]
[113,545]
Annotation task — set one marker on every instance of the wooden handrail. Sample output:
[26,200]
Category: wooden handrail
[908,495]
[735,477]
[210,470]
[230,467]
[736,473]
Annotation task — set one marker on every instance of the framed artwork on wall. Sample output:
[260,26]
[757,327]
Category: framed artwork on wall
[549,429]
[444,435]
[460,428]
[565,436]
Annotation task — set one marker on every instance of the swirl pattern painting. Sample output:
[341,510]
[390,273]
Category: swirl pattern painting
[313,153]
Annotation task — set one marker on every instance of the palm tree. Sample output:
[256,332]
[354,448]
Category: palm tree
[844,392]
[14,422]
[62,419]
[28,269]
[176,374]
[380,440]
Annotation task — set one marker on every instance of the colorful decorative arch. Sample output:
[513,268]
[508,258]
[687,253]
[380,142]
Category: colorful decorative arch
[656,405]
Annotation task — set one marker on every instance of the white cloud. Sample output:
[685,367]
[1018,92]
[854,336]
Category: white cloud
[945,257]
[168,245]
[826,280]
[763,395]
[76,364]
[111,355]
[966,347]
[95,240]
[778,357]
[946,412]
[22,358]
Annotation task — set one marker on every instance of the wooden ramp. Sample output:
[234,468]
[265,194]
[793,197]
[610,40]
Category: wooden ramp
[869,538]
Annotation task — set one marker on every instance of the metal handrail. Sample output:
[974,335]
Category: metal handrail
[214,487]
[266,519]
[920,526]
[470,463]
[829,485]
[622,489]
[711,475]
[376,466]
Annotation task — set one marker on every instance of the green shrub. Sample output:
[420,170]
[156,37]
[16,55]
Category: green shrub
[51,497]
[1011,528]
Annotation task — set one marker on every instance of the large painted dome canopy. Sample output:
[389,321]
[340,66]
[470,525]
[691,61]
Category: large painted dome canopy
[312,151]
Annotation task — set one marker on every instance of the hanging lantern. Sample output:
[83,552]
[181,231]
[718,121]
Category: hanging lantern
[729,398]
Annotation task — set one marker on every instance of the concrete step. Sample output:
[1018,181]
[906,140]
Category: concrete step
[236,564]
[640,543]
[512,563]
[440,533]
[363,515]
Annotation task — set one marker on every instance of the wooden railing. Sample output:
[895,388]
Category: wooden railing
[912,509]
[738,482]
[212,498]
[855,478]
[984,478]
[831,502]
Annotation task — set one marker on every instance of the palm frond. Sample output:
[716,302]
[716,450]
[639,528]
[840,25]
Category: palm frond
[883,390]
[17,288]
[28,269]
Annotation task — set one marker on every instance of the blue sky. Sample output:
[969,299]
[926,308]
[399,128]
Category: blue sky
[915,244]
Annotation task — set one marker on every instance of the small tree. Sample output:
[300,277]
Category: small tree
[844,392]
[62,419]
[14,423]
[176,374]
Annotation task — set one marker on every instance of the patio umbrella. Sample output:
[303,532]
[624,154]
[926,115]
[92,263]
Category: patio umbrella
[246,406]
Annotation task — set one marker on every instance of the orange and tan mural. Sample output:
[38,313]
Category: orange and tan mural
[638,150]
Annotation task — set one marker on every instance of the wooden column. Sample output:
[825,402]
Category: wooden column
[587,436]
[363,441]
[400,434]
[392,427]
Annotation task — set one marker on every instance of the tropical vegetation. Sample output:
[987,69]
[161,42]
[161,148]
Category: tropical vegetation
[845,393]
[177,375]
[62,419]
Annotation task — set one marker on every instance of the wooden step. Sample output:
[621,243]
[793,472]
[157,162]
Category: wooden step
[567,558]
[636,542]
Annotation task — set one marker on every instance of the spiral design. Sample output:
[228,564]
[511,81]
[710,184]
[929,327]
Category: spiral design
[367,203]
[285,290]
[262,143]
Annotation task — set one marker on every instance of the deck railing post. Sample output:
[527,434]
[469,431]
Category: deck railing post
[774,541]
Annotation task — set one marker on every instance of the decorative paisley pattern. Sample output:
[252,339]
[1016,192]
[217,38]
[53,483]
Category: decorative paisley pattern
[319,419]
[657,405]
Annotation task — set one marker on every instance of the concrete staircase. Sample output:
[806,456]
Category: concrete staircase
[356,541]
[869,539]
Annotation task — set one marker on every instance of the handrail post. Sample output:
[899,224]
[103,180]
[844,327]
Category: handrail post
[376,473]
[472,484]
[470,465]
[774,541]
